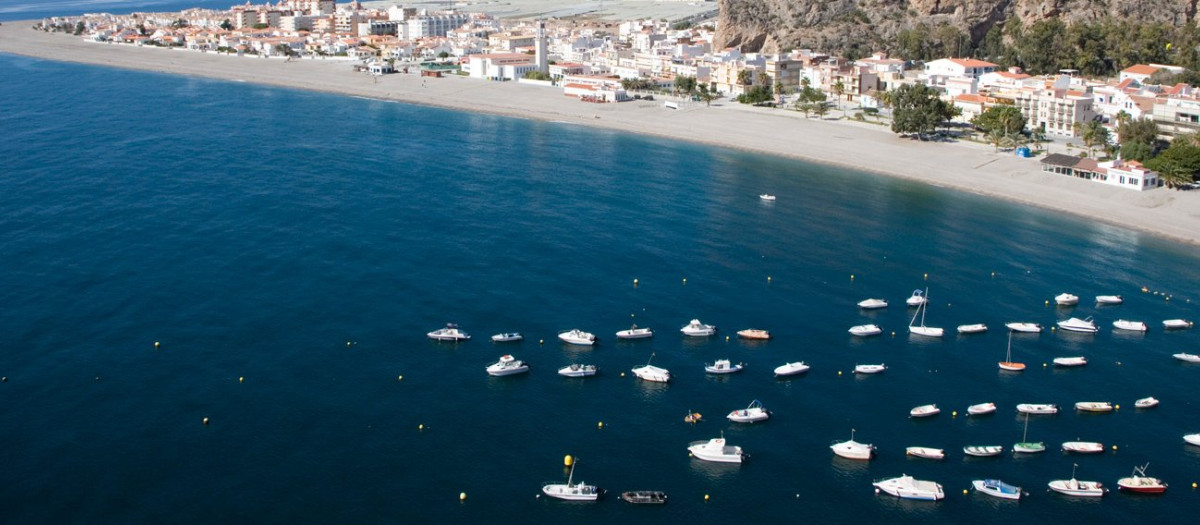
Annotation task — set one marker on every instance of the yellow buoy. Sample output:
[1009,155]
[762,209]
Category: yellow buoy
[622,374]
[240,379]
[541,341]
[685,280]
[421,426]
[156,344]
[1114,447]
[893,333]
[1047,303]
[205,421]
[462,496]
[1193,484]
[347,344]
[954,413]
[851,277]
[568,460]
[399,378]
[768,278]
[839,372]
[600,425]
[1118,407]
[1043,365]
[726,338]
[993,274]
[635,282]
[964,491]
[706,497]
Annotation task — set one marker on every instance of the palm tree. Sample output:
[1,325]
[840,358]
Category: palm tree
[838,89]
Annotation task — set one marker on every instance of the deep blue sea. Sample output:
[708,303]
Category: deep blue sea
[289,251]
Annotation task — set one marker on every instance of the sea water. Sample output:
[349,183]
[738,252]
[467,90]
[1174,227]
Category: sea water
[216,297]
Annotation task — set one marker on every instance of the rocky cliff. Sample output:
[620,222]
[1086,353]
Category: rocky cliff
[866,25]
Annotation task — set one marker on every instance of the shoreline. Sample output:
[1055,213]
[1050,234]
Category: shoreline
[866,147]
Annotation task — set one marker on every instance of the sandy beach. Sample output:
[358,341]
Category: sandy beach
[968,167]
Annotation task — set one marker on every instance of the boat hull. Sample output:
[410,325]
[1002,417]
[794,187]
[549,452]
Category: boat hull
[925,452]
[635,334]
[997,489]
[791,369]
[578,492]
[906,487]
[1080,489]
[983,451]
[1025,408]
[1139,485]
[981,409]
[972,329]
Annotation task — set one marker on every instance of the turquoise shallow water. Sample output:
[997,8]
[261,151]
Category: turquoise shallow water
[255,231]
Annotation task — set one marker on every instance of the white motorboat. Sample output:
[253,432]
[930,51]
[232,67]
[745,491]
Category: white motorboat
[852,449]
[1029,328]
[507,337]
[716,450]
[577,370]
[922,330]
[917,298]
[751,414]
[576,336]
[571,491]
[924,411]
[754,333]
[767,197]
[865,330]
[1008,363]
[791,369]
[1070,361]
[1192,439]
[869,369]
[976,328]
[997,488]
[1176,324]
[506,366]
[981,409]
[1130,326]
[1094,406]
[1140,483]
[1066,299]
[635,333]
[652,373]
[1025,446]
[697,329]
[1186,357]
[925,452]
[907,487]
[872,304]
[723,366]
[1146,402]
[983,451]
[1076,324]
[1074,487]
[450,333]
[1033,408]
[1082,447]
[1108,300]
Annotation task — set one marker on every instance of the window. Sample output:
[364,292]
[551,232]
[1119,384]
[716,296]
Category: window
[1134,182]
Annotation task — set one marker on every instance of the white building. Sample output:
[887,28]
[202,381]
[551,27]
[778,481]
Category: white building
[938,71]
[500,66]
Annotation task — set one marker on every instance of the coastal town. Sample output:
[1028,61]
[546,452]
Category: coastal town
[597,61]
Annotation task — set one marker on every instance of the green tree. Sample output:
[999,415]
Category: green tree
[918,109]
[78,28]
[820,108]
[226,25]
[685,84]
[1178,164]
[1007,119]
[444,55]
[536,75]
[1094,134]
[1139,138]
[744,77]
[705,95]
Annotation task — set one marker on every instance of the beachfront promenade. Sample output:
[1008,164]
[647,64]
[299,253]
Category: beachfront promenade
[965,166]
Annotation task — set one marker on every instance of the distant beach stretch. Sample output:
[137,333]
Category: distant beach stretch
[968,167]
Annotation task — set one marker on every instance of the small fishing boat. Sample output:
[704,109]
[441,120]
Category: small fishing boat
[1186,357]
[1192,439]
[925,452]
[571,491]
[635,333]
[753,333]
[507,337]
[1066,299]
[716,450]
[917,298]
[1082,447]
[723,366]
[697,329]
[907,487]
[1074,487]
[1076,324]
[577,370]
[1146,402]
[507,366]
[1109,300]
[977,328]
[865,330]
[1008,364]
[576,336]
[997,488]
[767,197]
[872,304]
[1140,483]
[652,373]
[922,330]
[924,411]
[693,417]
[1129,326]
[1094,406]
[869,369]
[1176,324]
[645,497]
[1033,408]
[983,451]
[1029,328]
[852,449]
[981,409]
[1028,447]
[751,414]
[450,333]
[1070,361]
[791,369]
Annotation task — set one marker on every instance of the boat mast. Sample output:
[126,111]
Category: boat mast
[924,307]
[1025,434]
[572,473]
